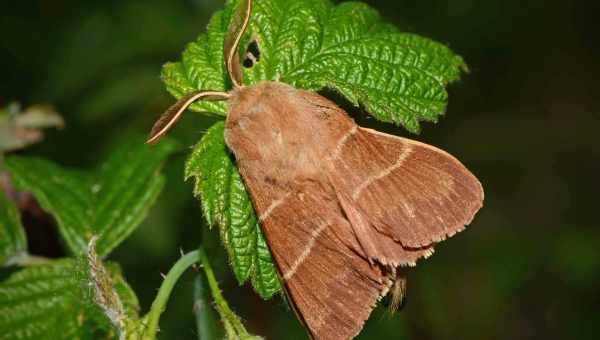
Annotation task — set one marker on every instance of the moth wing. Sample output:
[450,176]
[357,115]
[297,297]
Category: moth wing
[412,192]
[332,287]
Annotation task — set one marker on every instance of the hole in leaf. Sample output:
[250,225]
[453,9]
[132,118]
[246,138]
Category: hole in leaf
[252,56]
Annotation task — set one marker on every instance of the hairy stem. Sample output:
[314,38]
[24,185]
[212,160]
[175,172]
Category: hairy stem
[158,306]
[233,326]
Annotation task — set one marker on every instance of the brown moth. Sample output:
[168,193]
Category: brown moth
[343,208]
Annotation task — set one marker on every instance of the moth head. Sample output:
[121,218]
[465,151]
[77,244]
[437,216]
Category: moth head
[231,44]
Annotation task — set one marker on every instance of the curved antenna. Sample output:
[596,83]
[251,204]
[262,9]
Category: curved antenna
[236,30]
[168,119]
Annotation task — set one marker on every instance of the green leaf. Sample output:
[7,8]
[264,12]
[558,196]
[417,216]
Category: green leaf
[226,204]
[13,243]
[109,202]
[312,44]
[52,301]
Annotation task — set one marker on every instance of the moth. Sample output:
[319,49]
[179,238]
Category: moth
[343,208]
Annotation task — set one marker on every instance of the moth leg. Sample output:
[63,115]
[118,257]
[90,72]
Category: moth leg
[398,291]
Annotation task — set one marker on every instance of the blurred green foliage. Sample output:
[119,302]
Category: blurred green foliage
[524,121]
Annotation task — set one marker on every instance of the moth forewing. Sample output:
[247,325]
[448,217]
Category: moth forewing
[413,192]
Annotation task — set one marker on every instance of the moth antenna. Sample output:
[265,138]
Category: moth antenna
[168,119]
[236,31]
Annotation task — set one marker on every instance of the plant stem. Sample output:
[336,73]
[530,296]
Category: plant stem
[233,326]
[158,306]
[203,309]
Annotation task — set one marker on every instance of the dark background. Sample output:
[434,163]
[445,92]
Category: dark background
[525,121]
